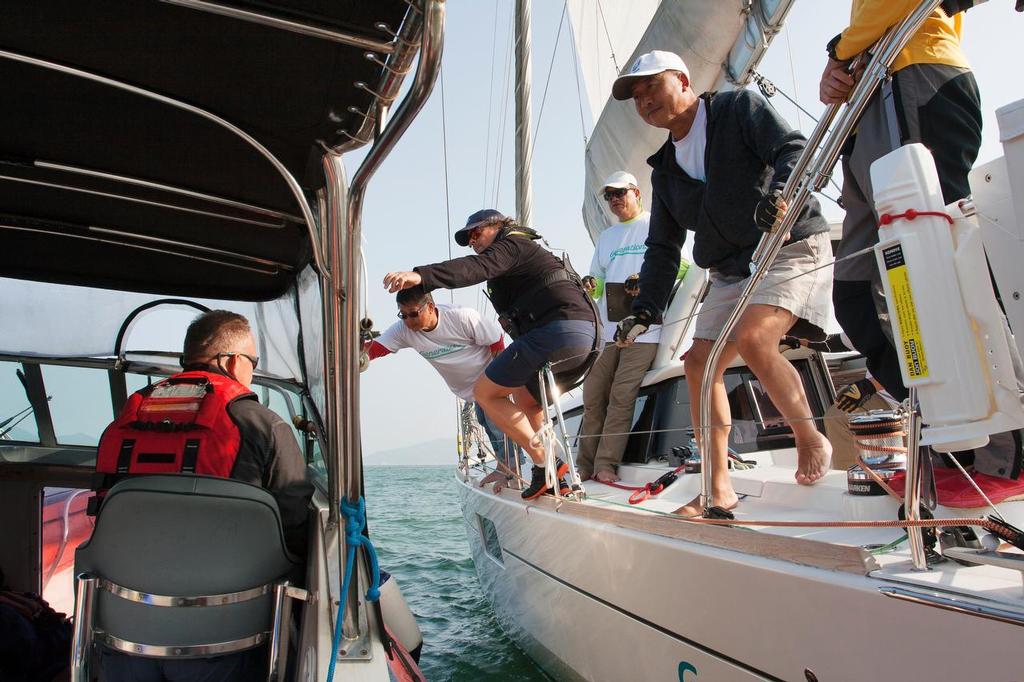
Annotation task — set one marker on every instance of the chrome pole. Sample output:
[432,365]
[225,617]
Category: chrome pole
[912,489]
[343,232]
[574,478]
[815,165]
[423,83]
[81,640]
[276,647]
[331,292]
[524,140]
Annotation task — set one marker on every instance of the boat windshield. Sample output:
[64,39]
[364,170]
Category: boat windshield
[54,321]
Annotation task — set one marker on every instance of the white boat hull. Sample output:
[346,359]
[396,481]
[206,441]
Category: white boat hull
[588,599]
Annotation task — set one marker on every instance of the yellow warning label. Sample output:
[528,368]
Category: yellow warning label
[906,314]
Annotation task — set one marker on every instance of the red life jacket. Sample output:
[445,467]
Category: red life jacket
[179,425]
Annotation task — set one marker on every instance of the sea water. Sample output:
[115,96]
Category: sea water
[416,525]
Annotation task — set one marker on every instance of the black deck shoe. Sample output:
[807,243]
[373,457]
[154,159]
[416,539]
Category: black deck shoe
[538,483]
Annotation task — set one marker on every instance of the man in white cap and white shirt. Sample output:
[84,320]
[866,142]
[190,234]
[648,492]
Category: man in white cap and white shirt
[720,174]
[610,390]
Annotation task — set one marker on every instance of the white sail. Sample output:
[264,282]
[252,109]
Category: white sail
[721,42]
[606,33]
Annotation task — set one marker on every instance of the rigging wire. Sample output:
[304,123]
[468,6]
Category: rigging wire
[490,104]
[447,189]
[768,88]
[607,35]
[576,72]
[499,144]
[547,82]
[792,75]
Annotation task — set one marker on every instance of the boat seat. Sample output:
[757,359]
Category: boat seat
[183,566]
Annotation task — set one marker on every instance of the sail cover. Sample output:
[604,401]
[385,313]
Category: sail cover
[721,42]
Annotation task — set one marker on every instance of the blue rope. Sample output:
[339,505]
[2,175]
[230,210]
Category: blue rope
[355,524]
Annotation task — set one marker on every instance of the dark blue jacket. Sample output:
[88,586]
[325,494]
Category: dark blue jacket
[750,151]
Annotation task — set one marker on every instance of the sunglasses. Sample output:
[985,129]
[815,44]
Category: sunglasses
[610,194]
[254,359]
[413,314]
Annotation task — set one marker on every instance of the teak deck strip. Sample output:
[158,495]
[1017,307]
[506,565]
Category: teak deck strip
[802,551]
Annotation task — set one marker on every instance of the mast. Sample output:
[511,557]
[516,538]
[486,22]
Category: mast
[524,148]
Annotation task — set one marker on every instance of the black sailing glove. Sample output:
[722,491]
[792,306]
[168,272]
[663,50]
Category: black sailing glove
[631,327]
[769,211]
[852,396]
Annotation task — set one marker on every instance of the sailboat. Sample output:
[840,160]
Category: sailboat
[805,583]
[158,159]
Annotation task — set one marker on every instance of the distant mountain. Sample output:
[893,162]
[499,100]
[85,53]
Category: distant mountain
[438,451]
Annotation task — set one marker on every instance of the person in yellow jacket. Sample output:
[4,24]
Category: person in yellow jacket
[932,98]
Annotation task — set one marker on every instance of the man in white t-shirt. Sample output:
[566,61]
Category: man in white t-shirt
[613,383]
[459,343]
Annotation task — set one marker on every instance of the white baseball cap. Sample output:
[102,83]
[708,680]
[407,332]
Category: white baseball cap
[647,65]
[620,180]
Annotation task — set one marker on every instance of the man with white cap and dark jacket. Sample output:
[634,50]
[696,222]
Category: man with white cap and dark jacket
[540,303]
[720,174]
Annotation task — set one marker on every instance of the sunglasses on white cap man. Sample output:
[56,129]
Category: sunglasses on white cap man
[646,65]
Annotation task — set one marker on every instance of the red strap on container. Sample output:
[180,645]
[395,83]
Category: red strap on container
[911,214]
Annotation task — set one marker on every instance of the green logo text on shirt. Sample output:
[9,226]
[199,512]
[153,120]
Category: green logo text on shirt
[442,351]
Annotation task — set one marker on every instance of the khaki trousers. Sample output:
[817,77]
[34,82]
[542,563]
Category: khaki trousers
[609,394]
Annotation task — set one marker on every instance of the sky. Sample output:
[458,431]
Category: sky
[448,166]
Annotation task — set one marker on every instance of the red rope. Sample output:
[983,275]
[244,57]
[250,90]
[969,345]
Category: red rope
[649,489]
[911,214]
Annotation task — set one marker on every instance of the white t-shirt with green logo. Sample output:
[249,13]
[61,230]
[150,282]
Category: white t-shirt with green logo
[620,253]
[458,347]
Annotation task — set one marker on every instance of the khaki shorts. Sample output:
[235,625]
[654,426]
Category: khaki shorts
[800,281]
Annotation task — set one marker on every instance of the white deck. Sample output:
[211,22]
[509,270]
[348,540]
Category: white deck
[771,493]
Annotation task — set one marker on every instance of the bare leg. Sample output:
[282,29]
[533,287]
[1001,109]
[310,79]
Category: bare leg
[756,338]
[515,419]
[721,487]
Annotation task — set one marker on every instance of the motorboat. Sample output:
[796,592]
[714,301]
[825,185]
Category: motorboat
[158,159]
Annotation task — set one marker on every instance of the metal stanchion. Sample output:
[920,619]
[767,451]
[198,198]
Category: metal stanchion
[574,478]
[912,490]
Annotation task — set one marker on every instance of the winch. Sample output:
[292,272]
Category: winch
[880,438]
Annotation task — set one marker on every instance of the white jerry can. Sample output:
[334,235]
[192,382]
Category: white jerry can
[947,325]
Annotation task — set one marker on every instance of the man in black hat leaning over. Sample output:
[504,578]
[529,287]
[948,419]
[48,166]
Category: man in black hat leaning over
[540,303]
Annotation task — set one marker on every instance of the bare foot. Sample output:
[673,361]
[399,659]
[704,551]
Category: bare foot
[502,483]
[726,499]
[813,462]
[606,477]
[585,476]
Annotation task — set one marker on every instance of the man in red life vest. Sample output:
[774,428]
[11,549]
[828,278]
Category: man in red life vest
[205,420]
[237,436]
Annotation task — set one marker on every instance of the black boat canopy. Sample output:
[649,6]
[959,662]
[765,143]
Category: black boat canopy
[112,187]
